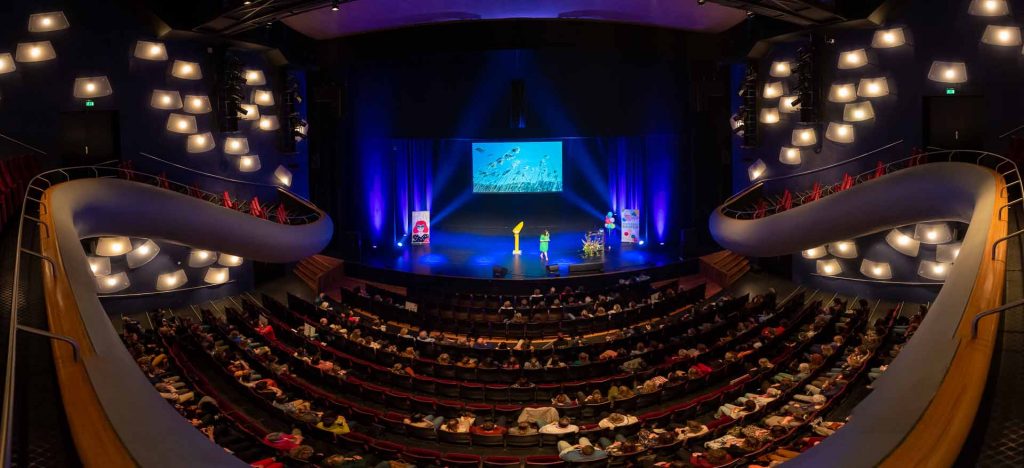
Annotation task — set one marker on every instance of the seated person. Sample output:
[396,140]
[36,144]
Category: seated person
[710,459]
[562,400]
[283,403]
[617,420]
[335,424]
[562,426]
[584,451]
[522,429]
[693,429]
[424,421]
[488,428]
[452,425]
[736,411]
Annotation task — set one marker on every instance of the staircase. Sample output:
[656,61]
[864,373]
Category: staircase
[723,268]
[318,271]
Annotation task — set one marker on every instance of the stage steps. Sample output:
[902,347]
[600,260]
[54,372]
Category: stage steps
[723,268]
[317,271]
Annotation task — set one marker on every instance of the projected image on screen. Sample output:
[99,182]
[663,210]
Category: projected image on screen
[517,167]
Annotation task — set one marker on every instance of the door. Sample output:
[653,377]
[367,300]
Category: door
[89,137]
[954,122]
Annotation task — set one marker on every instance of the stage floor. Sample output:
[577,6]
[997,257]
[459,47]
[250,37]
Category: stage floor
[475,255]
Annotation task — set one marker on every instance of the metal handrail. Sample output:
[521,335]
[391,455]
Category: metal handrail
[997,310]
[75,349]
[1004,239]
[1007,206]
[23,144]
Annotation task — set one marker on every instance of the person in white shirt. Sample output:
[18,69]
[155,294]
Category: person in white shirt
[562,426]
[616,419]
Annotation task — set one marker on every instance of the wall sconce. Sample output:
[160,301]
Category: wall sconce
[948,72]
[933,233]
[252,112]
[92,87]
[1001,36]
[46,22]
[216,275]
[876,270]
[113,246]
[229,260]
[947,253]
[172,280]
[839,133]
[197,104]
[263,97]
[283,176]
[888,38]
[155,51]
[842,92]
[858,111]
[7,63]
[830,267]
[199,258]
[165,100]
[790,156]
[772,90]
[181,123]
[142,254]
[814,253]
[100,266]
[786,105]
[903,243]
[249,163]
[873,87]
[269,123]
[112,283]
[255,78]
[200,143]
[804,137]
[236,145]
[186,70]
[29,52]
[756,170]
[988,8]
[769,115]
[843,249]
[853,59]
[934,270]
[781,69]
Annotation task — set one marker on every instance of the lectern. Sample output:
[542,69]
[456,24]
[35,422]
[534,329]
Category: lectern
[515,233]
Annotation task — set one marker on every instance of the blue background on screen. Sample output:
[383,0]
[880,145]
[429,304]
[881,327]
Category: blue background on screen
[517,167]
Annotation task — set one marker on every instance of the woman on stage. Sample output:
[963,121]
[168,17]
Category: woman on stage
[545,239]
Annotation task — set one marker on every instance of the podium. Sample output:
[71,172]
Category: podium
[515,233]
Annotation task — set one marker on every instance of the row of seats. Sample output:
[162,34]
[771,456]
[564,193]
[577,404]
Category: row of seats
[15,175]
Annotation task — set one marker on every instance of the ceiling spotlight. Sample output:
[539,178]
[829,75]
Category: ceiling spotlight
[335,5]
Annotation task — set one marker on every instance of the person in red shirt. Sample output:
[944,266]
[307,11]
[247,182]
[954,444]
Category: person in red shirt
[267,332]
[488,428]
[711,459]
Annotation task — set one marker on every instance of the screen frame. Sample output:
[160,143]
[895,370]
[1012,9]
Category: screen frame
[561,142]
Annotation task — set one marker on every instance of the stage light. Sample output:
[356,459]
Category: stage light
[988,8]
[92,87]
[172,280]
[903,243]
[154,51]
[786,105]
[839,133]
[236,145]
[641,242]
[113,246]
[804,137]
[112,283]
[200,143]
[186,70]
[814,253]
[29,52]
[181,123]
[399,243]
[251,112]
[937,271]
[933,233]
[843,249]
[876,270]
[853,59]
[263,97]
[1005,36]
[769,115]
[335,5]
[947,253]
[888,38]
[873,87]
[948,72]
[842,92]
[100,266]
[216,275]
[199,258]
[858,112]
[790,155]
[830,267]
[756,170]
[269,123]
[165,100]
[780,69]
[198,104]
[142,254]
[229,260]
[283,176]
[47,22]
[255,78]
[249,163]
[7,63]
[772,90]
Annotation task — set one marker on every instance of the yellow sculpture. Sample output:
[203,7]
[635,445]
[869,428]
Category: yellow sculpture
[515,232]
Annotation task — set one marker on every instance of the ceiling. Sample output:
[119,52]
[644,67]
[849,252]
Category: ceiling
[363,16]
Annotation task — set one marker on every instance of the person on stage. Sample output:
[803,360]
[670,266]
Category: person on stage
[545,239]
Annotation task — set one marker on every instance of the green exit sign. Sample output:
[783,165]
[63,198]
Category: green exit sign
[90,103]
[950,91]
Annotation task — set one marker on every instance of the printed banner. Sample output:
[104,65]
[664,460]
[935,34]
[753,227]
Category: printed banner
[420,227]
[630,224]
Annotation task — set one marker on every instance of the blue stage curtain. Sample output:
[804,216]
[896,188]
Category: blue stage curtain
[414,173]
[641,175]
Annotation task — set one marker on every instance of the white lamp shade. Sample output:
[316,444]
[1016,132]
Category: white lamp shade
[142,254]
[933,233]
[146,50]
[934,270]
[268,123]
[255,78]
[876,270]
[113,246]
[853,59]
[92,87]
[781,69]
[842,92]
[252,112]
[804,137]
[756,170]
[186,70]
[165,100]
[249,163]
[7,63]
[888,38]
[236,145]
[201,258]
[858,111]
[29,52]
[46,22]
[172,280]
[100,266]
[197,104]
[773,90]
[839,132]
[988,8]
[873,87]
[216,275]
[814,253]
[830,267]
[948,72]
[947,253]
[790,155]
[843,249]
[112,283]
[200,143]
[181,123]
[786,105]
[263,97]
[229,260]
[1005,36]
[903,243]
[283,176]
[769,115]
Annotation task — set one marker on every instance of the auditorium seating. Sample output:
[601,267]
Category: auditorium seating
[15,174]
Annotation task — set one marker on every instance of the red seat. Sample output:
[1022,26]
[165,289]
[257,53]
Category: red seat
[543,461]
[461,459]
[497,461]
[420,456]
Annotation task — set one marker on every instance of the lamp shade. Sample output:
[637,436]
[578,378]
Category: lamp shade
[146,50]
[249,112]
[181,123]
[756,170]
[780,69]
[934,270]
[29,52]
[814,253]
[268,123]
[769,115]
[172,280]
[829,267]
[7,63]
[100,266]
[873,87]
[283,176]
[197,104]
[165,100]
[255,78]
[853,59]
[46,22]
[804,137]
[198,258]
[229,260]
[858,111]
[876,270]
[186,70]
[236,145]
[947,253]
[113,246]
[888,38]
[263,97]
[790,155]
[843,249]
[773,90]
[216,275]
[903,243]
[948,72]
[933,233]
[249,163]
[988,8]
[200,143]
[92,87]
[112,283]
[842,92]
[786,105]
[839,132]
[142,254]
[1005,36]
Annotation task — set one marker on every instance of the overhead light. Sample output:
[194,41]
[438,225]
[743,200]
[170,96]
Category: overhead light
[789,155]
[888,38]
[197,104]
[236,145]
[756,170]
[804,137]
[933,233]
[251,112]
[172,280]
[200,143]
[186,70]
[29,52]
[853,59]
[335,5]
[842,92]
[988,8]
[92,87]
[142,254]
[269,123]
[113,246]
[843,249]
[100,266]
[858,112]
[181,123]
[199,258]
[146,50]
[947,253]
[830,267]
[876,270]
[47,22]
[839,132]
[772,90]
[165,100]
[873,87]
[780,69]
[229,260]
[934,270]
[255,78]
[216,275]
[112,283]
[283,176]
[814,253]
[769,115]
[249,163]
[263,97]
[1005,36]
[786,105]
[7,63]
[948,72]
[903,243]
